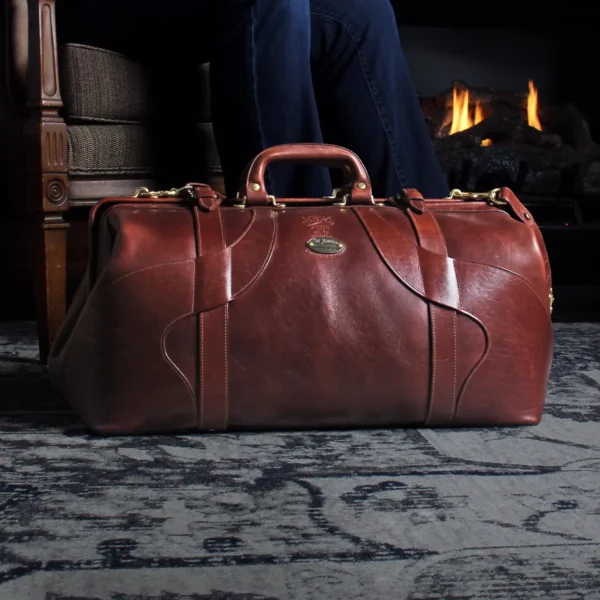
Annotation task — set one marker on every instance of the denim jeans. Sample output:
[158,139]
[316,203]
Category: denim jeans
[320,70]
[286,71]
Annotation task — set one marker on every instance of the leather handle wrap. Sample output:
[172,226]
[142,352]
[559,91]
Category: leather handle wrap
[327,155]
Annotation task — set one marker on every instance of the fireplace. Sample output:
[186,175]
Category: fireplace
[511,107]
[487,139]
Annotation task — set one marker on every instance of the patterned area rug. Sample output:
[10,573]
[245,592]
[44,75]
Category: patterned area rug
[509,513]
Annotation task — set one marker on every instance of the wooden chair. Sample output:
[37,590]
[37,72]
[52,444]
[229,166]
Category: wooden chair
[61,172]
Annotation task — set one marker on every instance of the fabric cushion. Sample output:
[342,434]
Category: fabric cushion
[103,86]
[126,120]
[110,150]
[131,150]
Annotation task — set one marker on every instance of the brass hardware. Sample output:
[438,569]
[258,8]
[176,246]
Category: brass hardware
[361,186]
[492,197]
[275,203]
[255,187]
[527,216]
[336,195]
[241,204]
[182,192]
[243,199]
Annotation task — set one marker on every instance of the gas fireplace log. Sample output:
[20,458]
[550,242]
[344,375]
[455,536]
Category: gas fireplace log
[527,169]
[591,180]
[528,135]
[500,126]
[568,122]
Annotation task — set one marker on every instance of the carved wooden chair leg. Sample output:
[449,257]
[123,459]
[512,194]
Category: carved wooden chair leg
[49,247]
[46,170]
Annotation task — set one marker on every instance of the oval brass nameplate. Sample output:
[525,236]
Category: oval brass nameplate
[325,245]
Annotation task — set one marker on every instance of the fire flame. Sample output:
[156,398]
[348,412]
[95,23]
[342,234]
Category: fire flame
[461,114]
[532,107]
[462,117]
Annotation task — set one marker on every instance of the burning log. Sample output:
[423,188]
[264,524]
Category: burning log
[482,96]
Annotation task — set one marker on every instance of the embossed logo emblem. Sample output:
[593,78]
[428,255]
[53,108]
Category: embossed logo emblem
[325,245]
[319,225]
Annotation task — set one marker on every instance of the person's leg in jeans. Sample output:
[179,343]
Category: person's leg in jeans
[366,97]
[262,90]
[264,93]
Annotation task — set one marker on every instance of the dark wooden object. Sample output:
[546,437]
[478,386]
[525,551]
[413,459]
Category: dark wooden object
[48,194]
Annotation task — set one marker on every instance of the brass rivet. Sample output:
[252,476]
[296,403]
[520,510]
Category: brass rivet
[255,187]
[361,186]
[340,245]
[311,243]
[527,216]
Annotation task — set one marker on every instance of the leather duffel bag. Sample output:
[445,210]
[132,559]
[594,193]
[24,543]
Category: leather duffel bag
[200,313]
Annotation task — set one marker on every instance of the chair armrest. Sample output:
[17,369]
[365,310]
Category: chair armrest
[43,89]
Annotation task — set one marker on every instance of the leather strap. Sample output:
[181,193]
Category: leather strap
[213,350]
[223,274]
[435,278]
[443,321]
[429,274]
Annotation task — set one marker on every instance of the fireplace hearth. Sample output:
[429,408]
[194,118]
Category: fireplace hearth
[486,139]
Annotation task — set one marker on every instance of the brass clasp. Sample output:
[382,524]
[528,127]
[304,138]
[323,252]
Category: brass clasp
[182,192]
[342,199]
[242,201]
[492,197]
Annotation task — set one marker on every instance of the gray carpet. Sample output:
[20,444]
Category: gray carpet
[416,514]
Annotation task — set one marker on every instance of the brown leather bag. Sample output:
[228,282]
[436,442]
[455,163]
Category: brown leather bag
[200,314]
